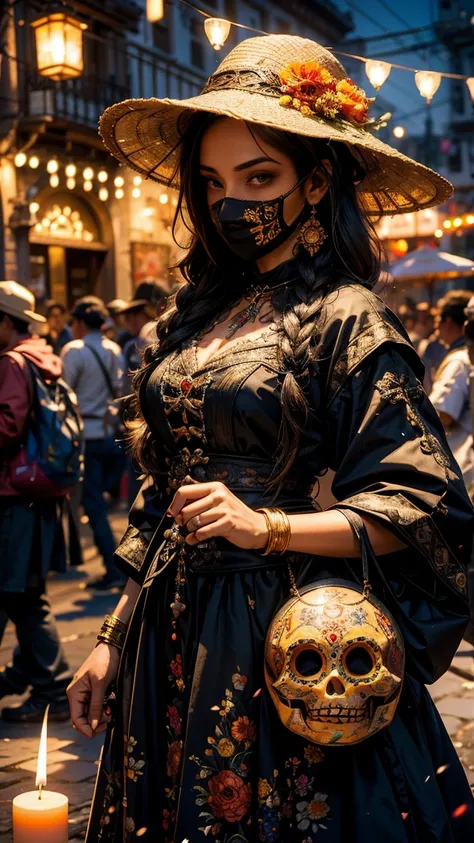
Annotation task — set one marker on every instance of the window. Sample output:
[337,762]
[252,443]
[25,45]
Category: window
[198,58]
[162,36]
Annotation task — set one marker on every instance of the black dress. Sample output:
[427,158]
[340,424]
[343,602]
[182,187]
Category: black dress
[197,751]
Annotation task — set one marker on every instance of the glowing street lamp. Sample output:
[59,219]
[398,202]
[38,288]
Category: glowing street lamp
[217,31]
[59,45]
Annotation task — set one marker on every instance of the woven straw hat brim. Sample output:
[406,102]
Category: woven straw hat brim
[144,134]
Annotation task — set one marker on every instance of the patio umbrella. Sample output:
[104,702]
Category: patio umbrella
[427,264]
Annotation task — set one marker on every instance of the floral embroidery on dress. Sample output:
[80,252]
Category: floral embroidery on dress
[134,767]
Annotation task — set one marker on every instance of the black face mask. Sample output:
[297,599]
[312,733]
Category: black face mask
[252,228]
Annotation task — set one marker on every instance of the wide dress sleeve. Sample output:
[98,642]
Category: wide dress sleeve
[392,463]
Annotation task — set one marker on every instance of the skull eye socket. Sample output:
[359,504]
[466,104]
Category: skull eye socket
[358,661]
[308,662]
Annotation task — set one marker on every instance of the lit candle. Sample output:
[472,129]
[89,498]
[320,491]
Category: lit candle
[40,815]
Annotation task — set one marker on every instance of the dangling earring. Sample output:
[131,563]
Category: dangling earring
[311,235]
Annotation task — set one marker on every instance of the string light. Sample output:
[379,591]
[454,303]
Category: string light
[217,31]
[164,199]
[70,183]
[103,194]
[457,222]
[119,181]
[155,10]
[52,166]
[88,174]
[20,159]
[54,180]
[34,207]
[87,186]
[399,131]
[136,193]
[137,180]
[438,233]
[427,82]
[70,171]
[34,162]
[447,224]
[378,72]
[102,176]
[119,194]
[470,219]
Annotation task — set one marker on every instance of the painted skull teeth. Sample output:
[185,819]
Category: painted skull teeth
[337,714]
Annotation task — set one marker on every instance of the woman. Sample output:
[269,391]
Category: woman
[276,364]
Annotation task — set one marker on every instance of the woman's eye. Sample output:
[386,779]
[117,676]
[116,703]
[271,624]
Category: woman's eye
[260,178]
[213,183]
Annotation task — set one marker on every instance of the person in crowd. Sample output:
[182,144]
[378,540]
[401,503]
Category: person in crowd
[276,364]
[93,367]
[140,315]
[115,326]
[432,351]
[450,391]
[408,316]
[28,527]
[59,332]
[424,324]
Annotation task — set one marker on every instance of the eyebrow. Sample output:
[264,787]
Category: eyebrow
[245,165]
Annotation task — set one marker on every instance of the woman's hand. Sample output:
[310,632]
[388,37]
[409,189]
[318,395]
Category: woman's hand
[87,690]
[210,509]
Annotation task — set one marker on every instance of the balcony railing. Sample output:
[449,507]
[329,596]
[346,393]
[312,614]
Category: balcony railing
[135,71]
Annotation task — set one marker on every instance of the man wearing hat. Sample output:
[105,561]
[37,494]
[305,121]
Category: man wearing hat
[93,367]
[28,534]
[140,315]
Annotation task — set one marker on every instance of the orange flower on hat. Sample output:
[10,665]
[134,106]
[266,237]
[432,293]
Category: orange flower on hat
[306,80]
[354,104]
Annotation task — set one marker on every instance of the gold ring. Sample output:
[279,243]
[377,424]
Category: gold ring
[193,524]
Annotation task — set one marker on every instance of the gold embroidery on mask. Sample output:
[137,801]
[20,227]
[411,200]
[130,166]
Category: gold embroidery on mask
[267,226]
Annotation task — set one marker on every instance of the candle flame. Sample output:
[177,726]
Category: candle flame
[41,768]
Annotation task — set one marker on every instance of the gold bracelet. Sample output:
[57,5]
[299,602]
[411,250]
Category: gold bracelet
[113,631]
[279,530]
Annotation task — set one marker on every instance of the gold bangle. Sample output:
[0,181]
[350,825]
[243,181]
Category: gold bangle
[279,530]
[113,631]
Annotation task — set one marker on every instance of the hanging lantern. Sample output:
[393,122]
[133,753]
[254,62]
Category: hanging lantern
[155,10]
[427,82]
[20,159]
[470,85]
[217,31]
[102,176]
[59,47]
[70,171]
[378,72]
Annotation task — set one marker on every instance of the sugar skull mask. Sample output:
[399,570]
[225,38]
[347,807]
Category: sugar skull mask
[334,664]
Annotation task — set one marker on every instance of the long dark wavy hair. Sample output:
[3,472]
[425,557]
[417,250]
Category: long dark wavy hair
[216,280]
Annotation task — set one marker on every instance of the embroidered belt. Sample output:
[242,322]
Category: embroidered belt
[238,473]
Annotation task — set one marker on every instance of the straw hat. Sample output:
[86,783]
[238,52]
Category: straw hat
[144,134]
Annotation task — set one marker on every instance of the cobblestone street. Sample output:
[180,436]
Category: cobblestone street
[72,760]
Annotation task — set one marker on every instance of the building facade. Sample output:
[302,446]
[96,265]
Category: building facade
[73,221]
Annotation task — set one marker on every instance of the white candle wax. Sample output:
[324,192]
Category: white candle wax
[42,820]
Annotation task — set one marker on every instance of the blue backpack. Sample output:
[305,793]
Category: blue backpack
[50,460]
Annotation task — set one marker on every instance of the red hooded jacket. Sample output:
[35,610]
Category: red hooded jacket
[15,396]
